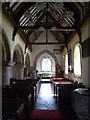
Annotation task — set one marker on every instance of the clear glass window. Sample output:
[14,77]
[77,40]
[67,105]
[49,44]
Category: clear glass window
[77,61]
[66,64]
[46,65]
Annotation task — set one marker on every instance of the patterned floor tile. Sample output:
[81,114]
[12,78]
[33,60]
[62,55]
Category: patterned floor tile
[45,98]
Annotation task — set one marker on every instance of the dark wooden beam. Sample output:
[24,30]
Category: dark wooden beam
[46,36]
[35,35]
[48,26]
[28,45]
[79,34]
[40,18]
[54,12]
[38,35]
[29,34]
[52,17]
[11,8]
[55,35]
[14,33]
[74,8]
[38,15]
[46,43]
[13,5]
[21,9]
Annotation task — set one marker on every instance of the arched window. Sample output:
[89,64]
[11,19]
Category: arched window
[46,64]
[66,64]
[77,60]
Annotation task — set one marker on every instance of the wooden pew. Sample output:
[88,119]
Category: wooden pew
[20,95]
[19,92]
[11,110]
[63,89]
[33,85]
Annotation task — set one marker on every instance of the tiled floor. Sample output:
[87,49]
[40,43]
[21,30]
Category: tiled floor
[47,108]
[46,100]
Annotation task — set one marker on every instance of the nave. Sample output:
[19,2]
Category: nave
[46,106]
[45,100]
[50,39]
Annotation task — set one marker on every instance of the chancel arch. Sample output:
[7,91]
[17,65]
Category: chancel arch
[47,54]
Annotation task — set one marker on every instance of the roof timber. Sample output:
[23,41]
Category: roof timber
[20,11]
[47,43]
[48,26]
[47,18]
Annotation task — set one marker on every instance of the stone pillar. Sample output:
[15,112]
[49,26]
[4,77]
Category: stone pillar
[6,72]
[26,72]
[18,71]
[58,70]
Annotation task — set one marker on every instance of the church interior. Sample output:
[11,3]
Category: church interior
[45,60]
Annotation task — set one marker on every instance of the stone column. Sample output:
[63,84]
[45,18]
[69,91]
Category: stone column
[26,71]
[18,71]
[7,72]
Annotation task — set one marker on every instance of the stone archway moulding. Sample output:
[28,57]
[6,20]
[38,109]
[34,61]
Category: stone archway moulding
[42,52]
[20,51]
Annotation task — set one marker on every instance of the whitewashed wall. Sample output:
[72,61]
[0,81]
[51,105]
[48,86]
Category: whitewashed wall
[9,70]
[38,48]
[85,78]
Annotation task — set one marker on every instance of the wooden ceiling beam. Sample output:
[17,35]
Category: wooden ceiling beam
[72,7]
[21,9]
[52,17]
[48,26]
[29,34]
[28,43]
[35,35]
[40,18]
[47,43]
[13,5]
[55,35]
[36,17]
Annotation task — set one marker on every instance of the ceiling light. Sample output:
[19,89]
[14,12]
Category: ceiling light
[28,14]
[41,28]
[69,14]
[64,24]
[40,5]
[53,28]
[58,5]
[30,23]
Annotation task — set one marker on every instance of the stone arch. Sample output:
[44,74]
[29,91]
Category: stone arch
[6,55]
[5,48]
[18,56]
[42,52]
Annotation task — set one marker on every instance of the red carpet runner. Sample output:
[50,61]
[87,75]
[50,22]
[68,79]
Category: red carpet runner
[52,115]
